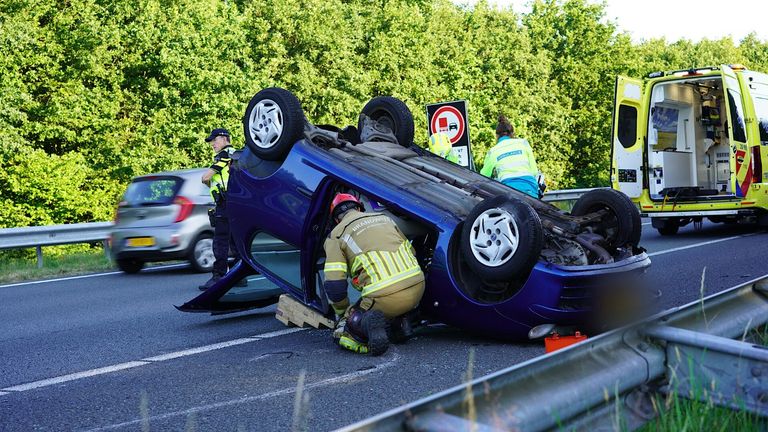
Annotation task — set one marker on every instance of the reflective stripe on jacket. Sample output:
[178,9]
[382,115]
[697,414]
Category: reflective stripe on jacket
[371,249]
[509,158]
[221,163]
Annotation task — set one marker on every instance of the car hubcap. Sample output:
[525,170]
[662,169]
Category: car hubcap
[204,253]
[265,123]
[494,238]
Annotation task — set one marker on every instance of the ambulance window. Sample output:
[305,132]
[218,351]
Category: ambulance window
[761,109]
[737,116]
[627,125]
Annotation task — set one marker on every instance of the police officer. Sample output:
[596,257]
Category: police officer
[440,144]
[217,177]
[511,160]
[371,249]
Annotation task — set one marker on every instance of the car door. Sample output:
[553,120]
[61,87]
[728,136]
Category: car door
[627,137]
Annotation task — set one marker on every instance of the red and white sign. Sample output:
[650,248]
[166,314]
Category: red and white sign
[449,120]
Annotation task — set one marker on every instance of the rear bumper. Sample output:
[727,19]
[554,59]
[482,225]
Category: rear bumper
[170,243]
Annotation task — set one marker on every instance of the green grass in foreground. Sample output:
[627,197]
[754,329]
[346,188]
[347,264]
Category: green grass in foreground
[681,414]
[25,268]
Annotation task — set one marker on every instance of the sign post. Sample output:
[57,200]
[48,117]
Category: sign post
[451,118]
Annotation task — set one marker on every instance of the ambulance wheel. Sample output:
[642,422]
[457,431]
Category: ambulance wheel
[392,113]
[502,238]
[622,225]
[669,228]
[273,122]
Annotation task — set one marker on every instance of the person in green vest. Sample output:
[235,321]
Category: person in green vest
[216,178]
[511,160]
[440,144]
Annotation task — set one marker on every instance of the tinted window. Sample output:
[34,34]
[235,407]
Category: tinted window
[761,110]
[627,125]
[152,190]
[737,111]
[279,258]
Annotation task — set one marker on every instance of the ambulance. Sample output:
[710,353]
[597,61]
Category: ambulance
[690,144]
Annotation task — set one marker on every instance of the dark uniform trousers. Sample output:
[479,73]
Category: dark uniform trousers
[221,240]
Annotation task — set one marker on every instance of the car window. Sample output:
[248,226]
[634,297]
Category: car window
[279,258]
[152,190]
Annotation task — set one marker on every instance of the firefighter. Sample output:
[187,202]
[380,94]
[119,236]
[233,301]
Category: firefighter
[511,160]
[371,249]
[440,144]
[217,177]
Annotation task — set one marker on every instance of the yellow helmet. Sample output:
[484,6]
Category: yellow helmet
[440,144]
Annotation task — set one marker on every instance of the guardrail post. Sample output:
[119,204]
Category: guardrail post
[107,252]
[39,250]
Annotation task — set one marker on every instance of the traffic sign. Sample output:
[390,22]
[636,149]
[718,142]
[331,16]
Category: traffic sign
[451,118]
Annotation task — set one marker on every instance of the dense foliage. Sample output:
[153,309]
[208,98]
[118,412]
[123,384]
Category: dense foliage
[93,92]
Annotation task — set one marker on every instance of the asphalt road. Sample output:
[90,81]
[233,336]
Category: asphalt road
[109,352]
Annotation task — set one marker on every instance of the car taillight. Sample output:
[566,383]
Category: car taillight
[117,211]
[757,165]
[185,209]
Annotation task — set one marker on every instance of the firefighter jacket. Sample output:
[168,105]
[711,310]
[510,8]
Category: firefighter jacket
[221,163]
[510,158]
[371,249]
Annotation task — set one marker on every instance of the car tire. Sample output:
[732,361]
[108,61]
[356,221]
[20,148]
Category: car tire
[130,265]
[273,122]
[502,238]
[624,226]
[393,113]
[201,253]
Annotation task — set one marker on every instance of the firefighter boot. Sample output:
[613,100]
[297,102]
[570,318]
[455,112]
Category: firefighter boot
[375,328]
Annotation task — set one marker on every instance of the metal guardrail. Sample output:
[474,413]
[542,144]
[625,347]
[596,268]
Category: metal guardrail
[609,382]
[50,235]
[13,238]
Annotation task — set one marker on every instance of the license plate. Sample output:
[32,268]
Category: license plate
[140,242]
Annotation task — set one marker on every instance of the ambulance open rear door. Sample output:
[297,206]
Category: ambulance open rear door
[627,137]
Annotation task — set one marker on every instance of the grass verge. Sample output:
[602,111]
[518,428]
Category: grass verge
[17,269]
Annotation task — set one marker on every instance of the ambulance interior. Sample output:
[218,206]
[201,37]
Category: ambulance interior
[688,148]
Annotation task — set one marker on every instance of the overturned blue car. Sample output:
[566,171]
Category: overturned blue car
[495,260]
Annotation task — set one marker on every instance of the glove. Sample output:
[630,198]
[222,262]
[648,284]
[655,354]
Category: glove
[338,331]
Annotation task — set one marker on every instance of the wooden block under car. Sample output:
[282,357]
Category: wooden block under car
[291,312]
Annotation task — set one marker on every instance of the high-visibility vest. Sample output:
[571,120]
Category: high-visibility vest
[221,163]
[371,249]
[509,158]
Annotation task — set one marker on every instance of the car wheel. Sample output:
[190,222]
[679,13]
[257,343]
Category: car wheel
[394,114]
[201,254]
[130,265]
[622,226]
[273,122]
[501,238]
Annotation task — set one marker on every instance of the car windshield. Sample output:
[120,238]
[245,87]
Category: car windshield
[152,191]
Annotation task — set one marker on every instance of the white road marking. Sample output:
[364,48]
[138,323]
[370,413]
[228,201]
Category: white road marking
[144,362]
[248,399]
[75,376]
[695,245]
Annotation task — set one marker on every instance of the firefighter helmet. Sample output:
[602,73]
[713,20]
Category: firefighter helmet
[440,144]
[343,202]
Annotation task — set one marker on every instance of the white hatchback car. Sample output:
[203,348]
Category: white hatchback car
[164,217]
